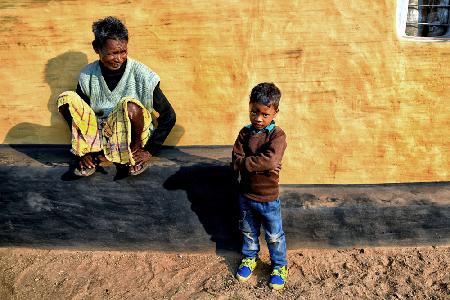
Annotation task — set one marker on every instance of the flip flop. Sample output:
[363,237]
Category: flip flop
[99,159]
[84,173]
[139,171]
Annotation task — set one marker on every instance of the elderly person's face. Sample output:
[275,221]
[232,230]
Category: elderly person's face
[113,53]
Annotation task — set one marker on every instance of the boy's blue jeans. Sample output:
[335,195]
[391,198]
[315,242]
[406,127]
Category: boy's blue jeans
[268,214]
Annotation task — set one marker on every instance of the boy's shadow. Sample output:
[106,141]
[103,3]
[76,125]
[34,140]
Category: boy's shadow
[212,190]
[61,74]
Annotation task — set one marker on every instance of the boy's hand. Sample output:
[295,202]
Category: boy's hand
[277,169]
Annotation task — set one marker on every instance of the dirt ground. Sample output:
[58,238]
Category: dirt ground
[369,273]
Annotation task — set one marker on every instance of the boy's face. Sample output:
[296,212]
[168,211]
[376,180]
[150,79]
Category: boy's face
[261,115]
[113,53]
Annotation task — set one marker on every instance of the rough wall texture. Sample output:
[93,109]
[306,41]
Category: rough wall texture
[359,105]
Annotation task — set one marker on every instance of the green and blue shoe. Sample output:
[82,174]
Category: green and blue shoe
[278,278]
[246,269]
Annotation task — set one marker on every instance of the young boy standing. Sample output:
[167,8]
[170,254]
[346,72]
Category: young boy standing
[257,155]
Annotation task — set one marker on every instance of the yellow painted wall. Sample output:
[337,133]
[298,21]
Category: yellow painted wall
[359,105]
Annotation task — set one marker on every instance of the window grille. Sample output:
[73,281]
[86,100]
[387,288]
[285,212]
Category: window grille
[428,18]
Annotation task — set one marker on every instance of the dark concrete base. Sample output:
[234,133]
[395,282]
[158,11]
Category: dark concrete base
[187,201]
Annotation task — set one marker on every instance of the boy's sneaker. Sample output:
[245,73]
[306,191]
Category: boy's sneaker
[245,269]
[278,278]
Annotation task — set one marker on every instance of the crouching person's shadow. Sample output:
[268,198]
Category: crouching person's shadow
[61,74]
[212,189]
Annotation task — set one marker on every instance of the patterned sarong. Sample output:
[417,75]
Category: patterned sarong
[112,135]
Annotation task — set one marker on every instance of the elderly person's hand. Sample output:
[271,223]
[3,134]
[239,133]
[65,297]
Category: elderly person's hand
[86,162]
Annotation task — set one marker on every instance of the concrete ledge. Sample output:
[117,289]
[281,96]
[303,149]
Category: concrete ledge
[187,201]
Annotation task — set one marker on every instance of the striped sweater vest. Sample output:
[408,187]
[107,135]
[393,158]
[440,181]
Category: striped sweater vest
[138,81]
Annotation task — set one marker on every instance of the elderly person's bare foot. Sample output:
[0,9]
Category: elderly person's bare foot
[142,158]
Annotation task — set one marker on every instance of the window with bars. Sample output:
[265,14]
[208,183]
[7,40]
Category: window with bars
[428,18]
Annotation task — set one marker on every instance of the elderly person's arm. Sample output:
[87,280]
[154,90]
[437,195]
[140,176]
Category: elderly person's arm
[166,121]
[82,95]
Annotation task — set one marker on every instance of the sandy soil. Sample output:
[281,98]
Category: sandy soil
[369,273]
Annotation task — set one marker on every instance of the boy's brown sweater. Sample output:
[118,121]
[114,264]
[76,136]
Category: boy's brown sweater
[257,156]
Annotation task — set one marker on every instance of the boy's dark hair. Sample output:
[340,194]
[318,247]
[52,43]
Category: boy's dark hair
[108,28]
[266,93]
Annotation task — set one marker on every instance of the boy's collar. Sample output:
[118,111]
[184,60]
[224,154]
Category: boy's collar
[268,128]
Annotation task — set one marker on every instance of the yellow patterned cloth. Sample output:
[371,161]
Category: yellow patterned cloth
[112,135]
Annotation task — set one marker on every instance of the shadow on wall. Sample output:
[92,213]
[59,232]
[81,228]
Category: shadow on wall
[61,74]
[212,189]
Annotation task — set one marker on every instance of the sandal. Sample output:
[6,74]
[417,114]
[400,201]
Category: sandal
[143,167]
[97,158]
[85,172]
